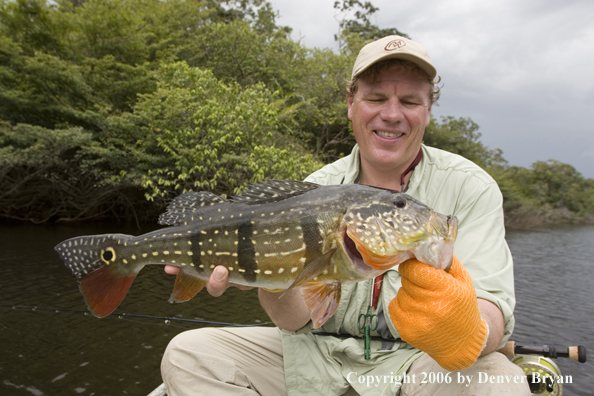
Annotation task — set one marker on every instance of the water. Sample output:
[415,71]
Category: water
[45,352]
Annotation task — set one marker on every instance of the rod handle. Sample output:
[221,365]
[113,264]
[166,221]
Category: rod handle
[577,353]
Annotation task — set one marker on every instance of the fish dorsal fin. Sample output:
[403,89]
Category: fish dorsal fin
[181,210]
[273,191]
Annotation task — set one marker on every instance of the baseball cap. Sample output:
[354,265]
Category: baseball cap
[396,47]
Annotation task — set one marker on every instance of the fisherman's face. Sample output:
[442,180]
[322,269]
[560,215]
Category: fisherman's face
[389,117]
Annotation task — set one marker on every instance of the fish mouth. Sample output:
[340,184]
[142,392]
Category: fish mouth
[350,247]
[439,253]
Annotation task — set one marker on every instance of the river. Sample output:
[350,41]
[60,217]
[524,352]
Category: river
[48,350]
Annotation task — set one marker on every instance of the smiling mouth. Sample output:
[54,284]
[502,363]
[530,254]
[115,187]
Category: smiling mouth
[389,134]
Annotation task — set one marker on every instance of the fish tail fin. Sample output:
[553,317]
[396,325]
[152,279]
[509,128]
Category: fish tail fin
[103,279]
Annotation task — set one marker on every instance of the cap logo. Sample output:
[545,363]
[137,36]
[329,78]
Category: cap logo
[394,45]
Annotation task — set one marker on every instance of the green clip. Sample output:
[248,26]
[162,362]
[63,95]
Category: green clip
[365,322]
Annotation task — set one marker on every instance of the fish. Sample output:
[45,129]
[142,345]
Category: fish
[277,235]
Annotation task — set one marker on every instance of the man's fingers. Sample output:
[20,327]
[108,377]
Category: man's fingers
[218,282]
[171,269]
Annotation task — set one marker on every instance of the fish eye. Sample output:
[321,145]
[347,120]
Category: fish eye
[108,255]
[400,204]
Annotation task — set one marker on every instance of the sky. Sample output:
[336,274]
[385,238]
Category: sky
[521,70]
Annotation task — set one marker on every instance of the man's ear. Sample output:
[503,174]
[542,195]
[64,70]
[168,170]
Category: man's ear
[350,105]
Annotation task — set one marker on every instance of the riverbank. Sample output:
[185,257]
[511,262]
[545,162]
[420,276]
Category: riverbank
[526,217]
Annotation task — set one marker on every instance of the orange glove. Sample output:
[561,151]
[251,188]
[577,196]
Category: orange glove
[437,312]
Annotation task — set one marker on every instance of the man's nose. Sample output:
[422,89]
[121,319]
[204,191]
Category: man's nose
[392,111]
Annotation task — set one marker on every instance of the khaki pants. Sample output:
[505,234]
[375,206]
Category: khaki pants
[248,361]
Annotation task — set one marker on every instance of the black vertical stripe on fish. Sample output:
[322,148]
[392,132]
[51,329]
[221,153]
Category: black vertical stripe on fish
[311,238]
[246,254]
[196,250]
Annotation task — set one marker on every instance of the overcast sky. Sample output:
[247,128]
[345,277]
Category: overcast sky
[522,70]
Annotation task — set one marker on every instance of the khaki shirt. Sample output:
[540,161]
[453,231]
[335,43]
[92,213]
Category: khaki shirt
[450,184]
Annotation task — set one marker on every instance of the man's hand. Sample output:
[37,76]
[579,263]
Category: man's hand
[217,283]
[438,313]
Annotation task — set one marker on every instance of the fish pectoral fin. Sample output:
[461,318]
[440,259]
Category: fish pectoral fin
[105,288]
[313,269]
[186,287]
[322,299]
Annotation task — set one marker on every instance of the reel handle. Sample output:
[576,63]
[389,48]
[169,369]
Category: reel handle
[577,353]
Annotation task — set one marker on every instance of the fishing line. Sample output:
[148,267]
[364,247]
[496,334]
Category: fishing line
[121,315]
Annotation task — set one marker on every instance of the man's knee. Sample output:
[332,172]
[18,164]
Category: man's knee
[186,349]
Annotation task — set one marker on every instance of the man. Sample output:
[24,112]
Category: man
[458,318]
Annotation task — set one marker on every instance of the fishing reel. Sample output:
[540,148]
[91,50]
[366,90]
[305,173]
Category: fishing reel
[542,374]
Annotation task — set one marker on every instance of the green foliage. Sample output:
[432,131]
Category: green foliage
[42,177]
[215,136]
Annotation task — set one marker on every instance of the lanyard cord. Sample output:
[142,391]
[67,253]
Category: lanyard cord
[412,166]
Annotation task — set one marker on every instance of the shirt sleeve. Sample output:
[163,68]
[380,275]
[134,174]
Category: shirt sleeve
[482,249]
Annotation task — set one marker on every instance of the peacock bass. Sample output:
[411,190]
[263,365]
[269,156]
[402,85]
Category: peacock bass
[278,234]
